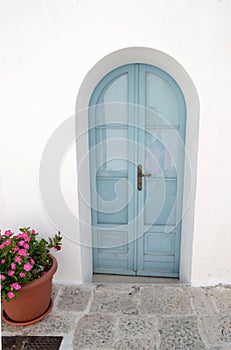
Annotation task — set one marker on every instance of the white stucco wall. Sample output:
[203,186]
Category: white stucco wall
[48,47]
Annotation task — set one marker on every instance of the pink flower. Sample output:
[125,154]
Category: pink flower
[27,239]
[32,261]
[1,246]
[8,233]
[27,267]
[3,261]
[15,286]
[0,287]
[20,235]
[33,232]
[10,295]
[7,242]
[11,273]
[21,243]
[26,245]
[2,277]
[25,234]
[22,274]
[13,266]
[18,259]
[16,249]
[22,252]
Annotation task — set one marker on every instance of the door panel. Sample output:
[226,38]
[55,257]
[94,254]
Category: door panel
[111,173]
[163,158]
[159,199]
[110,209]
[161,152]
[108,142]
[165,245]
[160,98]
[137,116]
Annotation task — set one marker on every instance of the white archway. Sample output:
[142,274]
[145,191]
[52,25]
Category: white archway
[174,69]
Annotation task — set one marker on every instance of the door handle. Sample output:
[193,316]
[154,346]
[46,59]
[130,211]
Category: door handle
[139,177]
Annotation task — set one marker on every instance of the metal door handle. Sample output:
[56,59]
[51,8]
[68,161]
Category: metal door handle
[139,177]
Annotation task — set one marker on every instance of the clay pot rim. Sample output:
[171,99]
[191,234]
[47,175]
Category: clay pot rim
[45,277]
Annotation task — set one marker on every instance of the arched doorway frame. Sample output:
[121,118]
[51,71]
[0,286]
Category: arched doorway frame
[173,68]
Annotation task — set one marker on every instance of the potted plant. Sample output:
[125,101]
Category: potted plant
[26,272]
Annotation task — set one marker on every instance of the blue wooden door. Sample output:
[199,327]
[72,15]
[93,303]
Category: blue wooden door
[136,143]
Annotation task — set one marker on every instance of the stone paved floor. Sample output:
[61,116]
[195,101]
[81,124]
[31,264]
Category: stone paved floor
[136,317]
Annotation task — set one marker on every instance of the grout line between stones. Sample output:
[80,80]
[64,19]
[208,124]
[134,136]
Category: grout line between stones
[91,299]
[217,311]
[194,312]
[158,338]
[202,332]
[116,332]
[67,342]
[56,299]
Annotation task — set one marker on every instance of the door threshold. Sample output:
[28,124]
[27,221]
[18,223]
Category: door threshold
[103,278]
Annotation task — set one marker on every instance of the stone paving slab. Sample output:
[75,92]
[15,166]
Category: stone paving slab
[222,297]
[137,327]
[180,333]
[118,300]
[134,344]
[55,324]
[202,301]
[94,332]
[218,329]
[136,317]
[168,300]
[74,298]
[12,330]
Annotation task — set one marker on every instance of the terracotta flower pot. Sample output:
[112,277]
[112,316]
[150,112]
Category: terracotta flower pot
[33,301]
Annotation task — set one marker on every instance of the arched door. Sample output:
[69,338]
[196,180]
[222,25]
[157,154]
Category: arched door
[136,142]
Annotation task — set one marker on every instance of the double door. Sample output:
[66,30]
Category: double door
[136,143]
